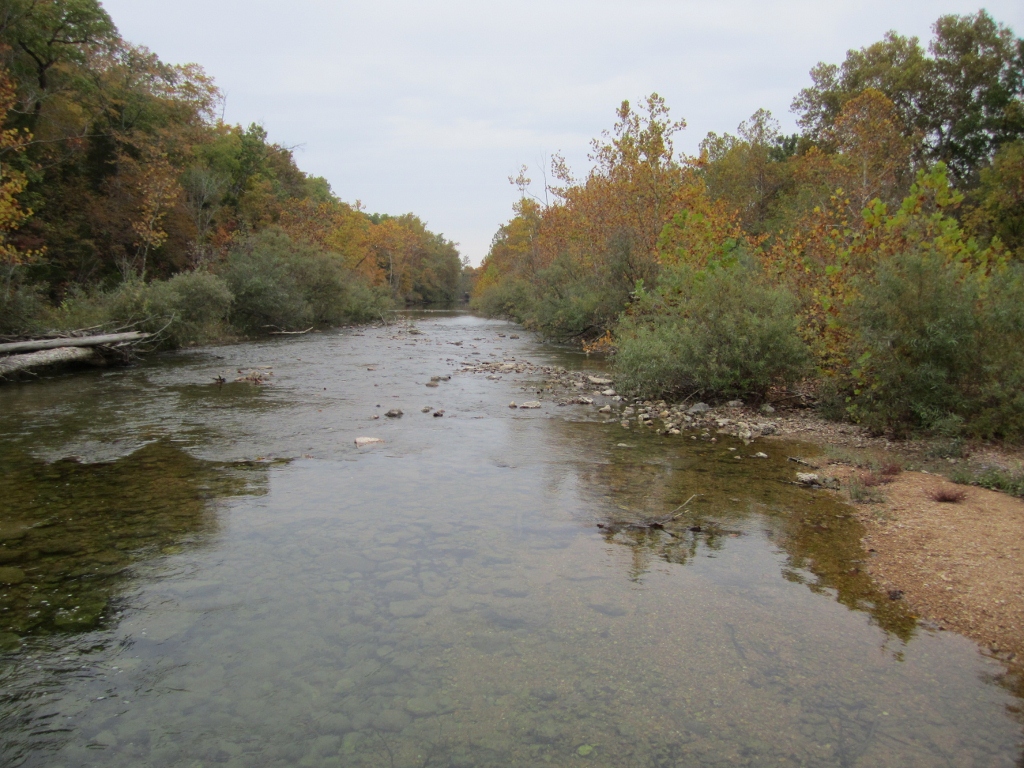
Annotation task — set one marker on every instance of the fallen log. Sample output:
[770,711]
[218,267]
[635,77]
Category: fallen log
[75,341]
[61,355]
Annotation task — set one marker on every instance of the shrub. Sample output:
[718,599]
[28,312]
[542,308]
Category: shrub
[20,306]
[278,283]
[721,331]
[191,306]
[940,349]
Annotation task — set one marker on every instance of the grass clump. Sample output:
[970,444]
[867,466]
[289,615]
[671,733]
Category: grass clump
[947,494]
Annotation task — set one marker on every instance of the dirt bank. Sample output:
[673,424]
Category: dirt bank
[958,564]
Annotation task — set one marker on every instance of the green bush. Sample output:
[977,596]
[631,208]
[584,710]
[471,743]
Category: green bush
[939,349]
[20,307]
[719,331]
[280,284]
[191,307]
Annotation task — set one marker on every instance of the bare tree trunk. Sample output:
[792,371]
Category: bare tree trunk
[62,355]
[79,341]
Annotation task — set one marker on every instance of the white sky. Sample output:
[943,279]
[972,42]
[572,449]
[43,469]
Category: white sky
[428,106]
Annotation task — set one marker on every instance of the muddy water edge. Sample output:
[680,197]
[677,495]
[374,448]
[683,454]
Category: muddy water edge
[197,573]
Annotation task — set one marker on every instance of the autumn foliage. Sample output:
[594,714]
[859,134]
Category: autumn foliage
[876,256]
[116,172]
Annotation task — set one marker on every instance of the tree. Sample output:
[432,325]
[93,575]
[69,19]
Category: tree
[961,101]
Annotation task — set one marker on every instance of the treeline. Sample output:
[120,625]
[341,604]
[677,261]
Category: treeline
[875,256]
[125,199]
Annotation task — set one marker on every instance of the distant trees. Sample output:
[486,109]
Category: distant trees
[114,167]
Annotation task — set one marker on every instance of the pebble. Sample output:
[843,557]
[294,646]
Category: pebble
[394,413]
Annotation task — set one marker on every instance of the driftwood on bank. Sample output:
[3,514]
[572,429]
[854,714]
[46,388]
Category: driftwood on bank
[44,357]
[74,341]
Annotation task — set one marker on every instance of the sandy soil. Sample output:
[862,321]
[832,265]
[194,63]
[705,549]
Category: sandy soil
[958,565]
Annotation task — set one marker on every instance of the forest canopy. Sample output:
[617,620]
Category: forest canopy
[875,257]
[117,175]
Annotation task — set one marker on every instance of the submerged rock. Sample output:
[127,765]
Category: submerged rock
[531,404]
[394,413]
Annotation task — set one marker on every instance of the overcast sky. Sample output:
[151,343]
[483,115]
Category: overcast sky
[427,107]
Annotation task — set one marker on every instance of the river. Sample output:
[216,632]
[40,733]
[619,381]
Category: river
[198,573]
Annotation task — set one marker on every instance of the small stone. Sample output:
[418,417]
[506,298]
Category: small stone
[584,750]
[609,393]
[432,384]
[513,404]
[605,409]
[760,455]
[435,378]
[599,382]
[699,408]
[807,478]
[767,409]
[426,409]
[361,441]
[514,336]
[531,404]
[734,404]
[438,413]
[394,413]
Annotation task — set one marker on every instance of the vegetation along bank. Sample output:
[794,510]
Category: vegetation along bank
[126,203]
[874,259]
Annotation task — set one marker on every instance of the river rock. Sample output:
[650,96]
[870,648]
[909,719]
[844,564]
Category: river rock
[426,409]
[698,408]
[361,441]
[609,393]
[734,404]
[531,404]
[408,609]
[11,575]
[596,381]
[439,413]
[391,720]
[807,478]
[432,384]
[394,413]
[760,455]
[605,409]
[421,706]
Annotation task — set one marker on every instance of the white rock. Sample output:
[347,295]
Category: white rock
[807,478]
[599,381]
[361,441]
[531,404]
[609,393]
[760,455]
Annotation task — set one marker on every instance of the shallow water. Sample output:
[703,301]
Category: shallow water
[203,574]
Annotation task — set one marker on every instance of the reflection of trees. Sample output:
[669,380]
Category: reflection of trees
[71,531]
[632,486]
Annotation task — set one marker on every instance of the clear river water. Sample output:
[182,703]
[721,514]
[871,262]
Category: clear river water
[194,573]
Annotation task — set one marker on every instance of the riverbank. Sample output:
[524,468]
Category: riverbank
[957,563]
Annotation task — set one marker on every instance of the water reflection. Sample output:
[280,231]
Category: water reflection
[696,492]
